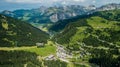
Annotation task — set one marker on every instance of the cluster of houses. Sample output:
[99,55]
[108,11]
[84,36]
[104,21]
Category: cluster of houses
[62,53]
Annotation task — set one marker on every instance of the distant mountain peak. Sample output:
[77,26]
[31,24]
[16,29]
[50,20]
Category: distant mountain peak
[91,7]
[110,6]
[6,12]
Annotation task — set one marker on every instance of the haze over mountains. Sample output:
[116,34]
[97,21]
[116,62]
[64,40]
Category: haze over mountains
[46,15]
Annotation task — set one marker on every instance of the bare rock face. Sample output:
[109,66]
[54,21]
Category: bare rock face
[91,7]
[54,18]
[47,14]
[109,7]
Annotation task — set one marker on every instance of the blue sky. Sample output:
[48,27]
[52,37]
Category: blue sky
[29,4]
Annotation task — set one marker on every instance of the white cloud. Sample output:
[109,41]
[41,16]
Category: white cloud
[94,1]
[79,0]
[43,1]
[64,3]
[25,1]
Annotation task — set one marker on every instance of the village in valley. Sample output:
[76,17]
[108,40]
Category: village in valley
[61,53]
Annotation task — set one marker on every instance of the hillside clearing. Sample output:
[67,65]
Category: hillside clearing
[43,51]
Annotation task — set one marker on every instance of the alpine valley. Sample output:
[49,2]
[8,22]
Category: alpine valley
[61,36]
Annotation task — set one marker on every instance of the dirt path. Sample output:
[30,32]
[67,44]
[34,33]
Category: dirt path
[16,48]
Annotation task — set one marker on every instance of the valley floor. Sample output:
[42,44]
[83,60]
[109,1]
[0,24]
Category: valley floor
[58,52]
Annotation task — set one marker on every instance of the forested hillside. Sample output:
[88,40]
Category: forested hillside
[18,59]
[26,59]
[17,33]
[97,36]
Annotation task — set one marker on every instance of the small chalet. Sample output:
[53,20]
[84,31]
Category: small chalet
[51,57]
[40,44]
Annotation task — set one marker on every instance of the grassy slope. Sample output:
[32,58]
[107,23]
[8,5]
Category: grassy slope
[45,51]
[90,25]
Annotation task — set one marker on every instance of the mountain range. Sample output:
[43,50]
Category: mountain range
[47,16]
